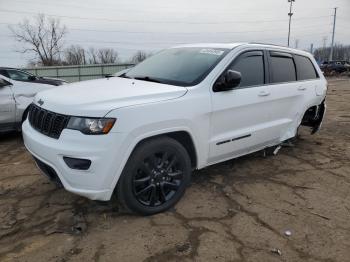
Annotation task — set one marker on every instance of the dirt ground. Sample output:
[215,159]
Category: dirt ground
[235,211]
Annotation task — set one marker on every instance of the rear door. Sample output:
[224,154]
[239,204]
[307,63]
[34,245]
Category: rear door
[286,95]
[7,106]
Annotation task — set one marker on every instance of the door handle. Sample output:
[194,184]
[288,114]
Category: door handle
[301,88]
[264,93]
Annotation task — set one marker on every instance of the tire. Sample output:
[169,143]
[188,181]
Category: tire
[155,177]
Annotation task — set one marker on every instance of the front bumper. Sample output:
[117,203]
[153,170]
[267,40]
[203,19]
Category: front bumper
[104,151]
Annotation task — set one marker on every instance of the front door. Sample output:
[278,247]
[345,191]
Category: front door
[240,117]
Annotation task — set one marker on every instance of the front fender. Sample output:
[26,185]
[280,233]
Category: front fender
[136,136]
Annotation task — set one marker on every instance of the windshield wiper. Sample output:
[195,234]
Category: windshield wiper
[147,78]
[124,76]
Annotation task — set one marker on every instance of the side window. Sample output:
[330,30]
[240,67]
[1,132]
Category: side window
[17,75]
[305,68]
[251,67]
[282,67]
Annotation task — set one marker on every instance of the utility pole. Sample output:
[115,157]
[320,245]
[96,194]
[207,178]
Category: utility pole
[290,17]
[334,19]
[312,48]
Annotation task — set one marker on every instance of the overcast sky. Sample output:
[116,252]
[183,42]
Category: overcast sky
[150,25]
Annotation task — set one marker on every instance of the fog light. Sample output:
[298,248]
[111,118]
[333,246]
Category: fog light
[77,163]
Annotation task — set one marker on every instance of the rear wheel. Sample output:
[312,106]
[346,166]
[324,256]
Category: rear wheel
[155,176]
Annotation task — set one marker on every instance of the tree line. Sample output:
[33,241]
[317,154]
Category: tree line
[44,39]
[340,52]
[77,55]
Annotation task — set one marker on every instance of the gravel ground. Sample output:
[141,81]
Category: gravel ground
[239,210]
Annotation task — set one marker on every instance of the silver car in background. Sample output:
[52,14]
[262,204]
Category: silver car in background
[15,98]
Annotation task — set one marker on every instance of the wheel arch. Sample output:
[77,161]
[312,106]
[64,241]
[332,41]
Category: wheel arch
[181,136]
[314,116]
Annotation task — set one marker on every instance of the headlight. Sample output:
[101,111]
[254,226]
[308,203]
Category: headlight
[91,126]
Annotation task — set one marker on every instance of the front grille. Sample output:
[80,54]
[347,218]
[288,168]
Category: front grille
[47,122]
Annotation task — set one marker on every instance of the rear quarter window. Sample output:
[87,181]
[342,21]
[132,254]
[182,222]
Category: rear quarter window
[305,68]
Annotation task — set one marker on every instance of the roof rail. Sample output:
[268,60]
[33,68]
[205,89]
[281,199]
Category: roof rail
[259,43]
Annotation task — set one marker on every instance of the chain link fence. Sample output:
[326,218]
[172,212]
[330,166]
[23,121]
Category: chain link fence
[78,72]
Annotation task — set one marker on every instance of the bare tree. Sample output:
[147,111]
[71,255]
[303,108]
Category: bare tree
[93,57]
[43,38]
[75,55]
[139,56]
[102,56]
[107,56]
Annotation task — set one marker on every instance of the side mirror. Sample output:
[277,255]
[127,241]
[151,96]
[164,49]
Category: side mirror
[228,81]
[31,78]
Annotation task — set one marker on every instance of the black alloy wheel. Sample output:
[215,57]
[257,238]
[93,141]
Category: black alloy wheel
[155,176]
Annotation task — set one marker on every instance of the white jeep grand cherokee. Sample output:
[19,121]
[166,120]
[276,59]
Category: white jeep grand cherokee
[141,134]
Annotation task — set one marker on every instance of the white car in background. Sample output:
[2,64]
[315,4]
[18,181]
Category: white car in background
[141,134]
[15,98]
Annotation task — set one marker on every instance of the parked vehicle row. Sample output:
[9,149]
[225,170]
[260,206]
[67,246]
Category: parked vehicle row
[337,66]
[140,135]
[23,76]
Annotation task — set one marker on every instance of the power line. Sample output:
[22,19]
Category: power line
[149,42]
[139,43]
[180,33]
[343,18]
[344,26]
[132,9]
[153,21]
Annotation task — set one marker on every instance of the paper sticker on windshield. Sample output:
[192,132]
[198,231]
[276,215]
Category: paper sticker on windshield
[211,51]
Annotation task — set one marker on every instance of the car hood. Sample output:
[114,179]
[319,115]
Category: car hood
[96,98]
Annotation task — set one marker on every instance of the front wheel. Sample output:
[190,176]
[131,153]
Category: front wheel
[155,176]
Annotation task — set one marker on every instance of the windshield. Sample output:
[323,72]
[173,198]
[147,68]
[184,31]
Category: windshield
[18,75]
[178,66]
